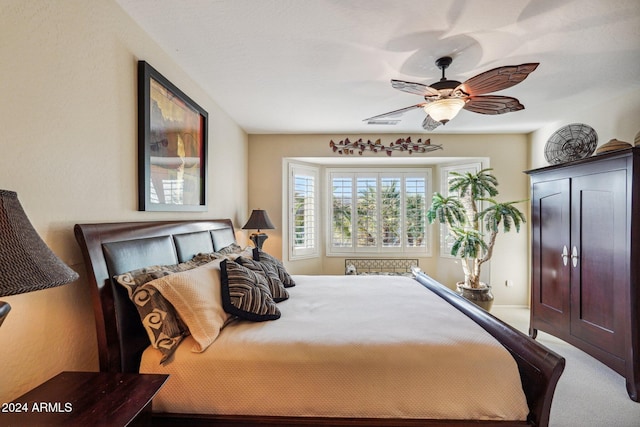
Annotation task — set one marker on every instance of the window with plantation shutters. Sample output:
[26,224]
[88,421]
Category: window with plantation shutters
[303,211]
[377,211]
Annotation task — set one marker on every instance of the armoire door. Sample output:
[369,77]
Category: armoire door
[599,271]
[551,257]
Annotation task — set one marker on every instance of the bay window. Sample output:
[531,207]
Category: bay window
[377,211]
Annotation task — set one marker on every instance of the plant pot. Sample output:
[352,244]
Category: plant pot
[482,297]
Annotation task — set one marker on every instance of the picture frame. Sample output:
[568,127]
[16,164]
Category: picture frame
[172,146]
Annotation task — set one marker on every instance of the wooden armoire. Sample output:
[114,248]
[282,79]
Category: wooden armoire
[585,233]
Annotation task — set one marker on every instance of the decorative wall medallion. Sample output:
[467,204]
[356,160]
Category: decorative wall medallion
[571,142]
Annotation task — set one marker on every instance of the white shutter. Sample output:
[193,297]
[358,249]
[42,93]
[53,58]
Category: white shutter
[303,211]
[341,212]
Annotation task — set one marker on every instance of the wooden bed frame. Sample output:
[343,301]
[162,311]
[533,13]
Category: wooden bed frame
[114,248]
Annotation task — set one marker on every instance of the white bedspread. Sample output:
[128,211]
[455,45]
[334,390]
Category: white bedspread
[348,346]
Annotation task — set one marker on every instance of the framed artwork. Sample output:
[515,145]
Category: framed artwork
[172,146]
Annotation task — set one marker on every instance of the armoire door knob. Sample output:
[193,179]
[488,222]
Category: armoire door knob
[574,256]
[565,255]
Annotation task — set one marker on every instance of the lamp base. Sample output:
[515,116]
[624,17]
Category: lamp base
[258,239]
[4,310]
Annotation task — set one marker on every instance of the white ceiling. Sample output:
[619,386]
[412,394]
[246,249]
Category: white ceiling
[322,66]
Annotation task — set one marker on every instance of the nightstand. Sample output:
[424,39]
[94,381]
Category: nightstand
[86,399]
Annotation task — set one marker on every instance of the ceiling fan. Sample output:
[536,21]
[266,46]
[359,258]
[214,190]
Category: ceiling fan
[445,98]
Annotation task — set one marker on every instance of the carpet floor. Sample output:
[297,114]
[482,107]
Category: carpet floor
[588,393]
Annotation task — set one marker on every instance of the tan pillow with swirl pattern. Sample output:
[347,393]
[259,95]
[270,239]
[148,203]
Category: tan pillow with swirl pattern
[162,323]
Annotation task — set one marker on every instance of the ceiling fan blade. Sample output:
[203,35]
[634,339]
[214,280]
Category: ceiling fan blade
[396,112]
[415,88]
[429,123]
[492,104]
[497,79]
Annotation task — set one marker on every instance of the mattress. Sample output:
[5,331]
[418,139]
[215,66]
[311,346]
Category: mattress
[347,346]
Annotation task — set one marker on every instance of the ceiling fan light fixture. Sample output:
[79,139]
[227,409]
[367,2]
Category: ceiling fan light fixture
[444,110]
[444,99]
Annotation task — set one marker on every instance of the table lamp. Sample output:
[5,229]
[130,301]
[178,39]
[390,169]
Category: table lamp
[26,262]
[259,220]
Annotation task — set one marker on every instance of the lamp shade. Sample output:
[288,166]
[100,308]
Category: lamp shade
[444,110]
[259,220]
[26,262]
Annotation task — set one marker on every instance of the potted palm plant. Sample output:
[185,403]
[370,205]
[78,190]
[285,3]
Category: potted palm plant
[462,213]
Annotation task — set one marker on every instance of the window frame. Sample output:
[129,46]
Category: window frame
[379,174]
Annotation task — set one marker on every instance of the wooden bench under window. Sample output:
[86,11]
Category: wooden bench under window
[380,266]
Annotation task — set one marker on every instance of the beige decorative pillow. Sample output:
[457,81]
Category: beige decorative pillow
[196,296]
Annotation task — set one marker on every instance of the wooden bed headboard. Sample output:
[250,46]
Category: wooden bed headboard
[114,248]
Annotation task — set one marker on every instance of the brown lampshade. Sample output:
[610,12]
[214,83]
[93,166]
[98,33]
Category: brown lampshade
[259,220]
[26,262]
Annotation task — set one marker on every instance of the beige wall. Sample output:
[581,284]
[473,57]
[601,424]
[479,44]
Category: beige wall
[68,148]
[508,156]
[611,119]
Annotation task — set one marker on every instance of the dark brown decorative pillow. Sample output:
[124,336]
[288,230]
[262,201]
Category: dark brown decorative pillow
[276,287]
[164,326]
[246,294]
[275,264]
[206,257]
[231,249]
[230,252]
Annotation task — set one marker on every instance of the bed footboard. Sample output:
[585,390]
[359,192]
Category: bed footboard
[540,368]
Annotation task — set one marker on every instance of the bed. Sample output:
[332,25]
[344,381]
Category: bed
[110,249]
